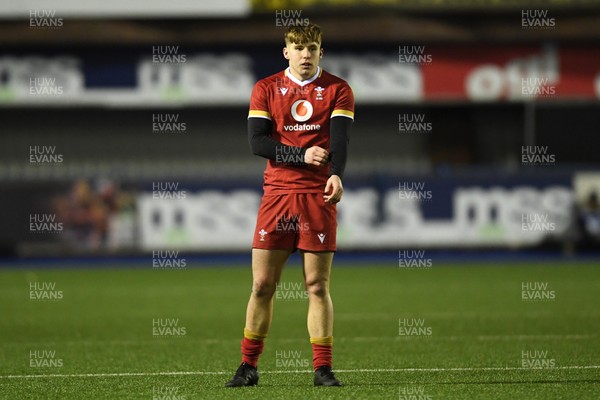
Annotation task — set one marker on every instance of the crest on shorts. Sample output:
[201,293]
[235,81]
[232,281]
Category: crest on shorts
[262,234]
[321,237]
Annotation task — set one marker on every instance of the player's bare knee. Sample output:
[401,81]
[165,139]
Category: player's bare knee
[317,288]
[264,289]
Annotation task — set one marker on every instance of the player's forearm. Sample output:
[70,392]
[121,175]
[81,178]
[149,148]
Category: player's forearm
[339,132]
[267,147]
[263,145]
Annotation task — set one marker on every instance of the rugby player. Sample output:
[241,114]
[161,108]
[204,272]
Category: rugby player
[300,120]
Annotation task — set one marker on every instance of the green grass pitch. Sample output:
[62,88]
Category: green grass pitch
[460,331]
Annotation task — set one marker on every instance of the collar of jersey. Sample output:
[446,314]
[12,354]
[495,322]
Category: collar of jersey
[302,83]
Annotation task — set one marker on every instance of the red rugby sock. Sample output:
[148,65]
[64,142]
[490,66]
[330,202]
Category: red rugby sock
[252,347]
[322,351]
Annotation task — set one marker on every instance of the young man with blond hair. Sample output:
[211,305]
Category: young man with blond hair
[299,120]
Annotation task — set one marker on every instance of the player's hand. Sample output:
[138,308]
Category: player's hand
[333,190]
[316,156]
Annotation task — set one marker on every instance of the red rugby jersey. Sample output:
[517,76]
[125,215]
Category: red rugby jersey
[300,112]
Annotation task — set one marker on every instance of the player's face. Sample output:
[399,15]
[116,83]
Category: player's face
[304,58]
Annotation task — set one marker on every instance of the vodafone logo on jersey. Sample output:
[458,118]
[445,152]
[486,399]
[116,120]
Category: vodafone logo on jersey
[302,110]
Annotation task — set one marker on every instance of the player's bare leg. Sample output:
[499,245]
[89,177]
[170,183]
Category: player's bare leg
[266,272]
[317,268]
[317,271]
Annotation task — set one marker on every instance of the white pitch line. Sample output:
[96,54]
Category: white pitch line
[458,369]
[348,339]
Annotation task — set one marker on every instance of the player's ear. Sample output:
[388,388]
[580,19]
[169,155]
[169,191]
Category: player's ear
[321,55]
[286,54]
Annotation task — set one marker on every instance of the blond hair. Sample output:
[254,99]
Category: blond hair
[303,34]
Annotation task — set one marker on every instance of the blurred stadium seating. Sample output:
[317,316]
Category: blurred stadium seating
[135,116]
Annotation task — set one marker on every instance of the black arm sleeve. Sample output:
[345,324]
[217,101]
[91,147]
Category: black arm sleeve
[339,137]
[262,144]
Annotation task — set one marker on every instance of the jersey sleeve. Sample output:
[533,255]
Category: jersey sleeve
[259,102]
[344,103]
